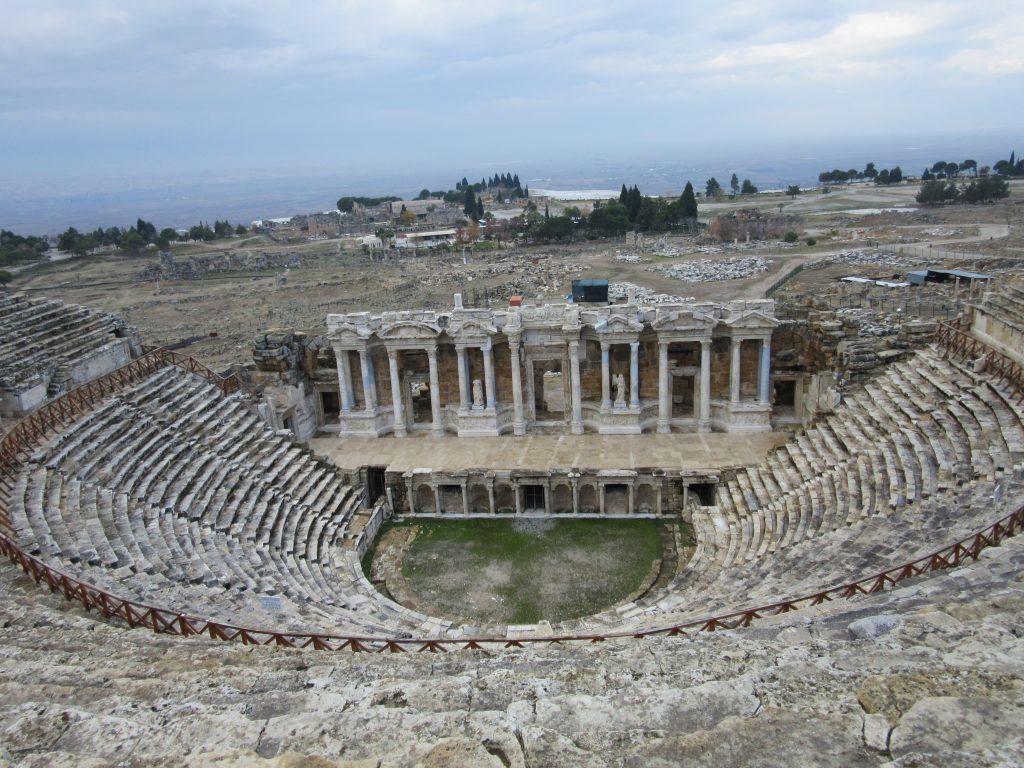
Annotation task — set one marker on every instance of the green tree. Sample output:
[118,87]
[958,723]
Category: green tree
[610,219]
[712,188]
[424,194]
[869,171]
[793,190]
[688,203]
[469,202]
[240,229]
[748,188]
[936,191]
[734,184]
[634,202]
[146,230]
[5,277]
[132,242]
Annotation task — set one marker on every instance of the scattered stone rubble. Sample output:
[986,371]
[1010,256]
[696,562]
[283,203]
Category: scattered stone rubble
[708,270]
[875,257]
[643,295]
[629,258]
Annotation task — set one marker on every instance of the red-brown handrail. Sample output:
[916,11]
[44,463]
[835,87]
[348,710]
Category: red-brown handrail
[164,621]
[964,345]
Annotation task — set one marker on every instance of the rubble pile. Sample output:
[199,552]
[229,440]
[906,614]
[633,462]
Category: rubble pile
[642,295]
[874,257]
[870,323]
[629,258]
[942,232]
[707,270]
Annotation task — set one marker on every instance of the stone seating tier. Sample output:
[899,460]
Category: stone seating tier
[170,494]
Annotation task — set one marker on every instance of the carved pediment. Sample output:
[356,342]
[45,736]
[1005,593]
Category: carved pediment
[471,328]
[752,320]
[413,330]
[618,324]
[683,320]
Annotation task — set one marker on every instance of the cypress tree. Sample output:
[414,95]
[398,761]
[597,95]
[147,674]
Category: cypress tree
[688,202]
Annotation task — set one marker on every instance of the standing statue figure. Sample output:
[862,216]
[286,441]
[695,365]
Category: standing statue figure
[478,393]
[620,390]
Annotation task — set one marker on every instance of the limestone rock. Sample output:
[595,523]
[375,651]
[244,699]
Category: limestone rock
[871,627]
[943,725]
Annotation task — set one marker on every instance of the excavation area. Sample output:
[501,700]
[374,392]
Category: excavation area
[525,570]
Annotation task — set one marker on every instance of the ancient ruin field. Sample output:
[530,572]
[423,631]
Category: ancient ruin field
[496,572]
[213,313]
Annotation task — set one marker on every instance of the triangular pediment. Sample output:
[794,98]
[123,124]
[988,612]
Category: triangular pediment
[618,324]
[683,320]
[753,320]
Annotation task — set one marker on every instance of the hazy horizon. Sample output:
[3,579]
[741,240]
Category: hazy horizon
[278,104]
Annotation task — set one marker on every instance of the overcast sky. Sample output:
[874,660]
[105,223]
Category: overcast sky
[127,89]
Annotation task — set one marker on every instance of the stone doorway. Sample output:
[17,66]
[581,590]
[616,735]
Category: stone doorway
[616,499]
[533,498]
[683,395]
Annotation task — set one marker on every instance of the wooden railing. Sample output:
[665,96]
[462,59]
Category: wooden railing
[961,344]
[134,614]
[161,620]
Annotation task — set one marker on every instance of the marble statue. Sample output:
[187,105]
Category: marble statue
[620,390]
[478,393]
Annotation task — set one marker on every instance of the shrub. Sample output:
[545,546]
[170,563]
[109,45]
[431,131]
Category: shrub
[791,237]
[811,241]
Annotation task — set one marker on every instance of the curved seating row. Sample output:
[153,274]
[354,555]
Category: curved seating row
[173,495]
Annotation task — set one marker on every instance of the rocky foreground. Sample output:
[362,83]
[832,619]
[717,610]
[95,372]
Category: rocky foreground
[930,674]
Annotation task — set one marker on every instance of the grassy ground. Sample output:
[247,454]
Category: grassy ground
[522,571]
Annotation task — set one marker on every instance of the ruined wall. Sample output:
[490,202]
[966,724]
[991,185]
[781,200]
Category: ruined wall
[752,224]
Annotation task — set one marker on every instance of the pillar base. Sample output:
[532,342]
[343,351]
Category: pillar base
[576,429]
[704,426]
[437,432]
[519,428]
[663,428]
[400,431]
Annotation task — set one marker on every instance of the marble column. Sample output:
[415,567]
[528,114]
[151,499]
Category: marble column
[490,496]
[664,393]
[634,374]
[606,398]
[518,420]
[465,499]
[576,425]
[437,500]
[490,383]
[396,394]
[631,507]
[436,427]
[369,380]
[575,495]
[704,422]
[463,379]
[734,371]
[764,371]
[344,379]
